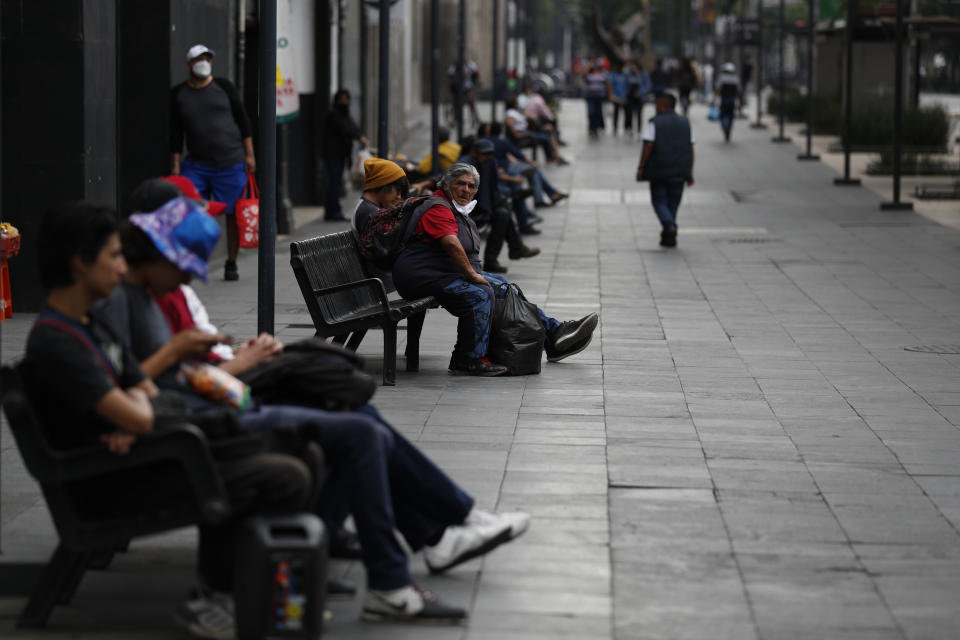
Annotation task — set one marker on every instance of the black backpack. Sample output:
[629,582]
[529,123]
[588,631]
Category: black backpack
[312,373]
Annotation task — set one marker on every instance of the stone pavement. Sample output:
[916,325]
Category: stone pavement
[747,449]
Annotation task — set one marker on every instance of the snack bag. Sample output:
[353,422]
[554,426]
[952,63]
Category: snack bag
[216,385]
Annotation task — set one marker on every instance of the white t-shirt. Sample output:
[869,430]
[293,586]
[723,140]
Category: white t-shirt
[650,133]
[519,120]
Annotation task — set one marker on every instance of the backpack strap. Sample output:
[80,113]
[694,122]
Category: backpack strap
[66,327]
[429,203]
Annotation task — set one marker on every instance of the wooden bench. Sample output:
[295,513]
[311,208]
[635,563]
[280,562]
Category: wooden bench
[184,489]
[345,300]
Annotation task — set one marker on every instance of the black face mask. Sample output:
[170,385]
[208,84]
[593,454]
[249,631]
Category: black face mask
[343,109]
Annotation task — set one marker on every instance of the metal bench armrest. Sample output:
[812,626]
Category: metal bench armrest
[375,285]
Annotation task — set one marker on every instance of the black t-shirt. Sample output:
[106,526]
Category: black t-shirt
[69,367]
[213,120]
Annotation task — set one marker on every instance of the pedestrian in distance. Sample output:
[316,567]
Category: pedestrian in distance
[339,133]
[730,97]
[597,90]
[667,163]
[619,80]
[209,113]
[686,83]
[638,86]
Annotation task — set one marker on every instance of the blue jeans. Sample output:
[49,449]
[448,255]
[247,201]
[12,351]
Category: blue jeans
[378,476]
[473,305]
[538,182]
[224,184]
[595,112]
[665,196]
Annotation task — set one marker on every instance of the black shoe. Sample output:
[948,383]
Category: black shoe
[523,251]
[529,230]
[230,271]
[345,545]
[540,204]
[337,589]
[460,366]
[492,266]
[572,337]
[534,219]
[668,238]
[409,604]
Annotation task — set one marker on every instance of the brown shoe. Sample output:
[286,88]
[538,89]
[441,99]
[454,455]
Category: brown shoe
[523,251]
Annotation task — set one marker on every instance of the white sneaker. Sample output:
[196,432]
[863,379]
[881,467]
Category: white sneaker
[518,520]
[208,616]
[408,604]
[464,542]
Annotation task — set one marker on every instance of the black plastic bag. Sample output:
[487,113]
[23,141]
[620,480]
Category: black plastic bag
[516,339]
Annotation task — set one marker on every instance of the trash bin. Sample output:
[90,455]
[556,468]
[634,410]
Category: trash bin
[280,577]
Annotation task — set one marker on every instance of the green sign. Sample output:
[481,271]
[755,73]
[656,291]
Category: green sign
[832,9]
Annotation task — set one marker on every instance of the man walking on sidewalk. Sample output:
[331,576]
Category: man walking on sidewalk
[667,162]
[208,111]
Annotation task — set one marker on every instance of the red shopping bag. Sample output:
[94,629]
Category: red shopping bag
[247,209]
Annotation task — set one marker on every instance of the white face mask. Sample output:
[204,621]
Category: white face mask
[465,209]
[202,68]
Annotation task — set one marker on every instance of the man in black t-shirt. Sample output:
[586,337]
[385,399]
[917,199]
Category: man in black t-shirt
[209,112]
[87,387]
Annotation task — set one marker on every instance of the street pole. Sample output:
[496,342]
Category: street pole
[809,155]
[383,106]
[434,86]
[266,253]
[896,204]
[493,66]
[759,124]
[846,180]
[782,85]
[458,107]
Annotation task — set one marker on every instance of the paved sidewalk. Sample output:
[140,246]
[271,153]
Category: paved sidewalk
[747,450]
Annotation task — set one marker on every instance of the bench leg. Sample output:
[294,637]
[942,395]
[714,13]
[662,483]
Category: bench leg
[59,581]
[340,339]
[389,355]
[355,339]
[414,328]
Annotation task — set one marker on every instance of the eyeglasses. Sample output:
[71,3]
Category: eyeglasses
[466,185]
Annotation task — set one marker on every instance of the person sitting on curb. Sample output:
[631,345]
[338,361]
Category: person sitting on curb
[376,473]
[88,388]
[442,259]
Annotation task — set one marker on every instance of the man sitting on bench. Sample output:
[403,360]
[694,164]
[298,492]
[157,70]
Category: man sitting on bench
[87,388]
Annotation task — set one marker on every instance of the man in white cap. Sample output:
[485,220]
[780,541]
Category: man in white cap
[730,96]
[209,112]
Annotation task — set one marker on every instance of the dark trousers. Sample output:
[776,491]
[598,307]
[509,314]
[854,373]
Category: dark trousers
[381,478]
[595,113]
[634,106]
[473,305]
[617,107]
[262,483]
[502,228]
[665,195]
[335,168]
[728,109]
